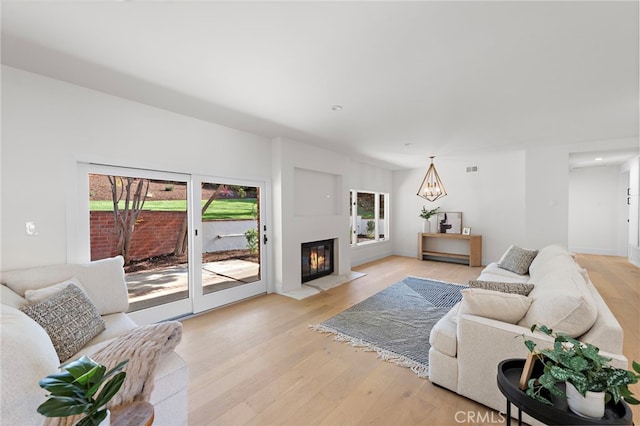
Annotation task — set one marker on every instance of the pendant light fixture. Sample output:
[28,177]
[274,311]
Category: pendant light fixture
[432,187]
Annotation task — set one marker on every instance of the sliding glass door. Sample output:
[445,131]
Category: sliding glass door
[190,243]
[230,241]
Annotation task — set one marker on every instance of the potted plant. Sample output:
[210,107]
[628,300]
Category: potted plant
[426,215]
[81,388]
[582,367]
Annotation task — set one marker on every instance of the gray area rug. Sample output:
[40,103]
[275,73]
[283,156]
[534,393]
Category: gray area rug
[397,321]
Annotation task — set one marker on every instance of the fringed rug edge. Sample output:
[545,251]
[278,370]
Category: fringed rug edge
[419,369]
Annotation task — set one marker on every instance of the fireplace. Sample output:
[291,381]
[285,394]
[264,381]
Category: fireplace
[317,259]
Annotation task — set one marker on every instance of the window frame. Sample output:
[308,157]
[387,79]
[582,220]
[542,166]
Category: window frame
[353,217]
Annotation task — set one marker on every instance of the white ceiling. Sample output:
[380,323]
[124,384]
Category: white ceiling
[413,78]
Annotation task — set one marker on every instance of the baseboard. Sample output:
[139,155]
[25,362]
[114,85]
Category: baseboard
[592,250]
[634,255]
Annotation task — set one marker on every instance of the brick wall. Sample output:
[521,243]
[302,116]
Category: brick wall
[155,234]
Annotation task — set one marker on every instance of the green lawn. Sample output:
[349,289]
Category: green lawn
[237,208]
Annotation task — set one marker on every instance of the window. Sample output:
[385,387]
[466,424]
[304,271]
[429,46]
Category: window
[369,217]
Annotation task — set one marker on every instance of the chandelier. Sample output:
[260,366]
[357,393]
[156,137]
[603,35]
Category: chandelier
[432,187]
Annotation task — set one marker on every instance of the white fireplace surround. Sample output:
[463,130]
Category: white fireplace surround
[310,196]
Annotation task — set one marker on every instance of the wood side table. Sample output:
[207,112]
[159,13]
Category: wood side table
[509,372]
[135,414]
[473,255]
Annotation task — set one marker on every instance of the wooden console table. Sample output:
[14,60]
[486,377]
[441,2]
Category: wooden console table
[473,258]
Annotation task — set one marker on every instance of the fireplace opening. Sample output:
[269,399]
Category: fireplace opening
[317,259]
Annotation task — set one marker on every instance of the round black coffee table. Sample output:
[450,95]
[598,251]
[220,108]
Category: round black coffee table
[509,372]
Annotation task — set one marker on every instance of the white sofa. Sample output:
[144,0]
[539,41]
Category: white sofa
[28,353]
[466,348]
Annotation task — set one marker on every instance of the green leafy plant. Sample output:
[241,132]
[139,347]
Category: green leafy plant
[426,214]
[371,228]
[252,240]
[581,364]
[82,387]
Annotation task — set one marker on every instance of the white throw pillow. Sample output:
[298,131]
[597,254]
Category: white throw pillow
[35,296]
[506,307]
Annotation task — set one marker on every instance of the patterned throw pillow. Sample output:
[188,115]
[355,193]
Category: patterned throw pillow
[515,288]
[69,318]
[518,260]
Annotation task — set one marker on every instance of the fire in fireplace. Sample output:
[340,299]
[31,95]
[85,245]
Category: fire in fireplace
[317,259]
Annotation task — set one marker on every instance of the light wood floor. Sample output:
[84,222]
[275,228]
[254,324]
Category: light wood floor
[258,363]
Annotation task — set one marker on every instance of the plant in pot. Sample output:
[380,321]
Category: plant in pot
[83,387]
[426,215]
[587,375]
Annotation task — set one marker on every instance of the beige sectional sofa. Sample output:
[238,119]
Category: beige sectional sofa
[28,354]
[468,343]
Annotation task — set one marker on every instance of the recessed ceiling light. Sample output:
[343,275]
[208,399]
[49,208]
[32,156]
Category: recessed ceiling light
[336,108]
[598,158]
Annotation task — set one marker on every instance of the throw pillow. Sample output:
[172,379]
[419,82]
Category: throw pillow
[69,318]
[518,260]
[515,288]
[506,307]
[35,296]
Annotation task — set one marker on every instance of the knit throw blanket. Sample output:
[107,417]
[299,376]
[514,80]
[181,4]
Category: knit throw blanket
[144,347]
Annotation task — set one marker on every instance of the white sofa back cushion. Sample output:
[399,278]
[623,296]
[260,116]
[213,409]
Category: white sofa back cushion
[103,280]
[562,301]
[541,262]
[27,355]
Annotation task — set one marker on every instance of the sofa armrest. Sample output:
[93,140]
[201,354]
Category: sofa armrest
[483,343]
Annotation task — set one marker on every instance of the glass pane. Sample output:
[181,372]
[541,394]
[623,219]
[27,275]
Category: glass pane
[148,228]
[230,236]
[366,216]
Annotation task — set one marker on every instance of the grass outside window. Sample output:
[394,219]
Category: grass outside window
[232,208]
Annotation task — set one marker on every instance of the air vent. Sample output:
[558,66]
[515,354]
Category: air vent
[472,169]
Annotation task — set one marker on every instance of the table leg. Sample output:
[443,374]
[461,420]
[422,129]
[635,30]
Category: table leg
[508,412]
[519,416]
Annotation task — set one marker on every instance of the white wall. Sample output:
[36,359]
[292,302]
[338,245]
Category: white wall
[547,196]
[325,215]
[492,201]
[48,125]
[594,205]
[365,177]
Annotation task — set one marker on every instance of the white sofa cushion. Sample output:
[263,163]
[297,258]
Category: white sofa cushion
[116,325]
[494,273]
[8,297]
[544,255]
[443,336]
[506,307]
[563,302]
[557,263]
[27,356]
[103,280]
